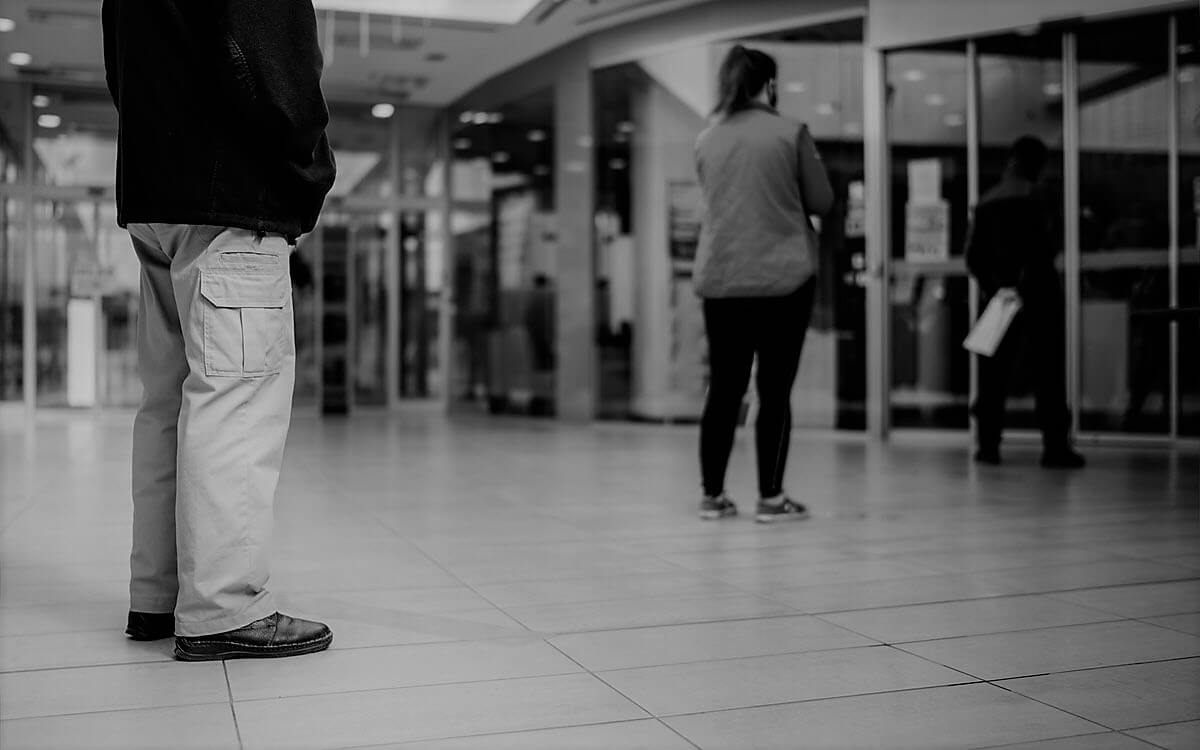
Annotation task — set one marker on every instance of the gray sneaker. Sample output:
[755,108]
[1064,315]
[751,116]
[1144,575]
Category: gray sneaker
[785,511]
[713,508]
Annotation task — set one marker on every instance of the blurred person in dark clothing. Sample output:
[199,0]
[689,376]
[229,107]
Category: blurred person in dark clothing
[1011,254]
[222,163]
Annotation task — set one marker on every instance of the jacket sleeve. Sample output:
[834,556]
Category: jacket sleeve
[108,19]
[814,182]
[276,70]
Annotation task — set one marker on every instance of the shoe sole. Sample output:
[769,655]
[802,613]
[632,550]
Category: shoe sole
[776,517]
[716,515]
[259,652]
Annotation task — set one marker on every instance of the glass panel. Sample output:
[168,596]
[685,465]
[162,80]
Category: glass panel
[927,102]
[13,131]
[12,284]
[1020,95]
[1123,226]
[368,273]
[303,262]
[87,289]
[362,143]
[504,334]
[75,138]
[1188,61]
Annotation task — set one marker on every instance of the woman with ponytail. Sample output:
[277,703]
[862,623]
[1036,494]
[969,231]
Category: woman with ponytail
[762,179]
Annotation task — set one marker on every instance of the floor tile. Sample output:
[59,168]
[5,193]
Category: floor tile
[630,613]
[366,627]
[1189,623]
[626,735]
[900,591]
[71,617]
[770,578]
[1145,600]
[960,561]
[208,727]
[1106,741]
[1036,652]
[338,671]
[1184,736]
[1122,697]
[951,718]
[56,692]
[93,648]
[1086,575]
[406,714]
[641,647]
[737,683]
[976,617]
[533,593]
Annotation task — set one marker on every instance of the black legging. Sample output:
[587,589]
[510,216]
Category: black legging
[738,329]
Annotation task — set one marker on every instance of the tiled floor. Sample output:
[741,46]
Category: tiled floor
[529,585]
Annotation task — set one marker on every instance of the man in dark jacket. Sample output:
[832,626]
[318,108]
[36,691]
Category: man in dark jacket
[222,163]
[1010,253]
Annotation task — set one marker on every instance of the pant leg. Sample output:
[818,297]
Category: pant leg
[995,373]
[1048,349]
[162,367]
[730,358]
[233,291]
[781,329]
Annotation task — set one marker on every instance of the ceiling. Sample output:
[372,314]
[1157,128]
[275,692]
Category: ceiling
[429,52]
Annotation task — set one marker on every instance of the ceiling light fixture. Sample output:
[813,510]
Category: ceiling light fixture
[41,101]
[626,127]
[49,121]
[466,118]
[914,75]
[617,164]
[826,109]
[537,136]
[501,157]
[20,59]
[7,24]
[1053,89]
[383,110]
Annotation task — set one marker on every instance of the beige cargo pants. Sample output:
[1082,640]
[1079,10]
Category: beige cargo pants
[217,358]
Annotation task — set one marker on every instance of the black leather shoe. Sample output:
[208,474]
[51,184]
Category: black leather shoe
[147,626]
[269,638]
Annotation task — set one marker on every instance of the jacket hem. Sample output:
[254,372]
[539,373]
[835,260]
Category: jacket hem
[289,229]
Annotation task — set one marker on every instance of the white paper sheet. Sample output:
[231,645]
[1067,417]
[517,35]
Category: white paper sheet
[989,330]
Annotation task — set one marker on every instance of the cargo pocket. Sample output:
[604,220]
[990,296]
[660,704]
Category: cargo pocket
[245,321]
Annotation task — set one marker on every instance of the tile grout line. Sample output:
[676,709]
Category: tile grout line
[605,682]
[232,705]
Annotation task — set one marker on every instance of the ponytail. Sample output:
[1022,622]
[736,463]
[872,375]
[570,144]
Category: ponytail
[744,74]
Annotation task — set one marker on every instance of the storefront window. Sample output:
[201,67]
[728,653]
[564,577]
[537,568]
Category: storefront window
[927,105]
[1187,56]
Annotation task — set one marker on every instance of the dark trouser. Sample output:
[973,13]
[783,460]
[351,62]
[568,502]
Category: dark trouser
[1037,331]
[738,329]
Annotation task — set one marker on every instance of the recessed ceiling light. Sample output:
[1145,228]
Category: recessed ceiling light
[480,118]
[7,24]
[537,136]
[466,118]
[626,127]
[462,144]
[586,141]
[501,157]
[41,101]
[495,118]
[617,164]
[954,120]
[795,87]
[826,109]
[383,110]
[914,75]
[49,121]
[935,100]
[1183,49]
[20,59]
[1053,89]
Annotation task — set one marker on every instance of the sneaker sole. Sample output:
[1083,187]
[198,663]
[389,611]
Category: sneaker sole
[714,515]
[776,517]
[257,652]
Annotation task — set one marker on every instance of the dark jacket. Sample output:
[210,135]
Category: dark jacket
[222,120]
[1010,245]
